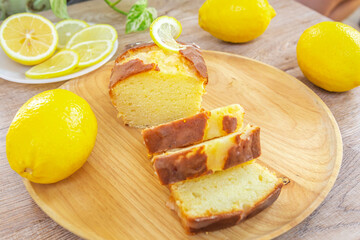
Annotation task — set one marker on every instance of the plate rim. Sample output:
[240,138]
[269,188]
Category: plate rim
[294,222]
[65,77]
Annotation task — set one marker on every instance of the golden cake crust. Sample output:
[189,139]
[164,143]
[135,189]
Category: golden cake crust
[193,55]
[244,150]
[226,219]
[179,133]
[131,48]
[132,67]
[182,165]
[229,123]
[121,71]
[194,129]
[176,168]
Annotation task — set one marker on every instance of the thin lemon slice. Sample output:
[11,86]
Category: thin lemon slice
[67,28]
[28,38]
[93,52]
[93,33]
[62,63]
[164,30]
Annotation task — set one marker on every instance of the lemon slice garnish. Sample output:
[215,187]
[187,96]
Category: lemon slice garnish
[93,52]
[67,28]
[164,30]
[93,33]
[62,63]
[28,38]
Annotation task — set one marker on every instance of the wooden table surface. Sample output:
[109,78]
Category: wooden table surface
[338,217]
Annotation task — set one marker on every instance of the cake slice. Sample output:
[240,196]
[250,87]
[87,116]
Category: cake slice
[224,198]
[194,129]
[150,86]
[207,157]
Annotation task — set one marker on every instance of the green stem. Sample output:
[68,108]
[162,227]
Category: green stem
[115,3]
[113,6]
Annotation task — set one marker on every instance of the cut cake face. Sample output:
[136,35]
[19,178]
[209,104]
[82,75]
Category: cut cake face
[224,198]
[150,86]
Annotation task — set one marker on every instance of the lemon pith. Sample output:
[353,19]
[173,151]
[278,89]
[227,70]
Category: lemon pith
[28,38]
[51,136]
[328,54]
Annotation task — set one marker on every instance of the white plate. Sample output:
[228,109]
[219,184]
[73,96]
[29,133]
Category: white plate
[15,72]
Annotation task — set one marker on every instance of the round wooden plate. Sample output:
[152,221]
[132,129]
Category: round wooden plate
[116,195]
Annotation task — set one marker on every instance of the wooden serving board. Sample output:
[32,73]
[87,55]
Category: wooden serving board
[115,195]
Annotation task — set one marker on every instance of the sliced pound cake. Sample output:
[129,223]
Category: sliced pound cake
[150,86]
[224,198]
[207,157]
[194,129]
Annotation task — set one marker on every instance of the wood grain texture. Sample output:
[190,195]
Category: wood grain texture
[337,217]
[115,195]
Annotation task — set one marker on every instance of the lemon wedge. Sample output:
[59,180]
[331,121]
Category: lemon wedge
[60,64]
[93,52]
[164,30]
[67,28]
[93,33]
[28,38]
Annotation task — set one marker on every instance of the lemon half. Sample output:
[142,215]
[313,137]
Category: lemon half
[28,38]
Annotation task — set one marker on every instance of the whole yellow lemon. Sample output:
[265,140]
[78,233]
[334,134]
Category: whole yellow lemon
[328,54]
[236,21]
[51,136]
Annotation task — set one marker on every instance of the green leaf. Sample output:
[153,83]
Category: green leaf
[139,17]
[59,8]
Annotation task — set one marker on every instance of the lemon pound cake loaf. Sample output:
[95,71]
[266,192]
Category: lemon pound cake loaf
[208,157]
[194,129]
[150,86]
[224,198]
